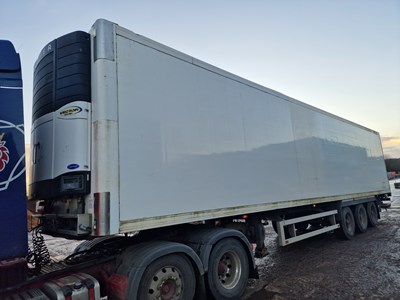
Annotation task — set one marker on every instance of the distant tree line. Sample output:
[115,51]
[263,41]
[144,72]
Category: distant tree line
[392,164]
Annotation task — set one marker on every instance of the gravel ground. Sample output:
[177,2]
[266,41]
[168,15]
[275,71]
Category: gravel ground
[325,267]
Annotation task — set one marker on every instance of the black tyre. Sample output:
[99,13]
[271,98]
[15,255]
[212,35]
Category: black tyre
[169,277]
[372,212]
[347,224]
[228,270]
[361,218]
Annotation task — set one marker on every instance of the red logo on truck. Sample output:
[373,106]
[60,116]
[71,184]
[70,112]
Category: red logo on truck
[4,158]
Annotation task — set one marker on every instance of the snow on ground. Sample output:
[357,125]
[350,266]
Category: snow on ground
[59,248]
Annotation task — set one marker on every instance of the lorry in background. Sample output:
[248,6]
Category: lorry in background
[169,168]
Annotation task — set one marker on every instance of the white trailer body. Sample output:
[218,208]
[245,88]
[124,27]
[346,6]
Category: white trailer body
[130,135]
[175,140]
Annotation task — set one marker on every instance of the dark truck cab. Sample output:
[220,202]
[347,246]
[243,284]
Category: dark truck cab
[13,221]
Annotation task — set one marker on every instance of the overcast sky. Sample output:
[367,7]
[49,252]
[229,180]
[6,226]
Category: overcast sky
[338,55]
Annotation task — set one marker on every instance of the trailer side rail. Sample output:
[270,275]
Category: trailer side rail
[290,224]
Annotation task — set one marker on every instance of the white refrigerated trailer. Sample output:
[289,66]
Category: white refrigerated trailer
[130,135]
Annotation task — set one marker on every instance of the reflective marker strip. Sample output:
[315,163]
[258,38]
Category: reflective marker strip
[11,87]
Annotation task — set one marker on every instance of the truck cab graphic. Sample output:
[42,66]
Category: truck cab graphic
[12,160]
[13,223]
[4,158]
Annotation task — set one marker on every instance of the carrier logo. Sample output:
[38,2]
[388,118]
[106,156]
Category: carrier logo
[69,111]
[72,166]
[4,157]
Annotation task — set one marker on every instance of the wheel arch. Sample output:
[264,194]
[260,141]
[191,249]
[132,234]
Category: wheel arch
[203,241]
[134,260]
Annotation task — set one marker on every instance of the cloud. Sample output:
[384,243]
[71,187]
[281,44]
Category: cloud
[391,146]
[390,139]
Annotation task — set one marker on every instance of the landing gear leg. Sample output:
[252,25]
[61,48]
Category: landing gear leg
[261,250]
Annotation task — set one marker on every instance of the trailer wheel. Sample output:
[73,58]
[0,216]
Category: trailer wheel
[347,224]
[372,212]
[360,215]
[169,277]
[228,270]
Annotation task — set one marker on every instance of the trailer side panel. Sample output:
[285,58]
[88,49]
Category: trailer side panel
[196,142]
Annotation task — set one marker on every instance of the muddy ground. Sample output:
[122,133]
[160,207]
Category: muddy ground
[325,267]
